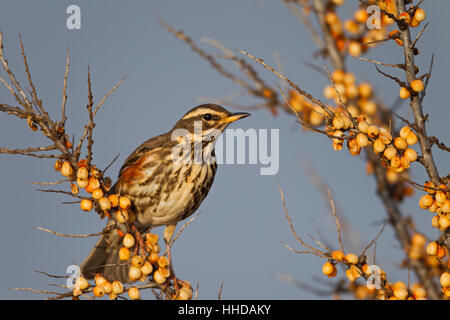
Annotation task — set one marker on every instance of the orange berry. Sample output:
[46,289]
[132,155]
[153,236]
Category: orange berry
[351,258]
[362,140]
[331,17]
[329,92]
[385,136]
[82,183]
[124,254]
[124,202]
[419,292]
[396,161]
[147,268]
[405,131]
[58,165]
[137,261]
[368,107]
[152,237]
[86,205]
[412,139]
[361,15]
[82,283]
[411,154]
[400,143]
[405,17]
[352,92]
[82,173]
[354,48]
[444,222]
[351,26]
[401,293]
[420,15]
[399,42]
[404,93]
[390,152]
[134,293]
[99,291]
[108,287]
[391,176]
[426,201]
[74,188]
[105,204]
[185,293]
[353,273]
[97,193]
[365,90]
[434,220]
[128,240]
[418,240]
[349,79]
[353,147]
[363,126]
[428,185]
[442,251]
[328,268]
[134,273]
[432,248]
[153,258]
[114,200]
[94,183]
[378,146]
[158,277]
[117,287]
[337,255]
[445,279]
[440,196]
[372,131]
[446,206]
[414,23]
[338,123]
[122,216]
[66,169]
[417,85]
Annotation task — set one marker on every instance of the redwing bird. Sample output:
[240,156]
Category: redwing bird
[166,178]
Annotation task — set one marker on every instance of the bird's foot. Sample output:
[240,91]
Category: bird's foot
[140,247]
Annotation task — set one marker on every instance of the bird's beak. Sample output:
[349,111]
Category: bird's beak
[235,116]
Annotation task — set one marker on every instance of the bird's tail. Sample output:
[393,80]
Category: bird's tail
[104,258]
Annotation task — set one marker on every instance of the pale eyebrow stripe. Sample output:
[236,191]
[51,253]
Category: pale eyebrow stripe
[202,111]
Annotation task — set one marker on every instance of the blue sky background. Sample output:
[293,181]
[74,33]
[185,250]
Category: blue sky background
[237,238]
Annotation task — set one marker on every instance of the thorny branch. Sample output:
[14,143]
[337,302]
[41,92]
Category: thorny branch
[385,192]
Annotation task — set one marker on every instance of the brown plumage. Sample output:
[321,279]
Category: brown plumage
[164,182]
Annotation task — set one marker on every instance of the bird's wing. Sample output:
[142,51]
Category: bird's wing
[137,157]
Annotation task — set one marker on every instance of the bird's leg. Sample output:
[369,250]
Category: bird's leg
[139,240]
[168,234]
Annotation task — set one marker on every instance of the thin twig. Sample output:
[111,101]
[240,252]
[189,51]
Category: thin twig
[105,230]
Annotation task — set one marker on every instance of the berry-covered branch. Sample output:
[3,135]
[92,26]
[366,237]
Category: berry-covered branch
[91,189]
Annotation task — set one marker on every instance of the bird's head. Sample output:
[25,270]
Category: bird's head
[207,120]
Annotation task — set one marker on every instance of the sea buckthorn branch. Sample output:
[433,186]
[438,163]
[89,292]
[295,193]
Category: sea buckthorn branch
[415,104]
[140,252]
[254,86]
[395,214]
[416,99]
[356,267]
[332,51]
[389,156]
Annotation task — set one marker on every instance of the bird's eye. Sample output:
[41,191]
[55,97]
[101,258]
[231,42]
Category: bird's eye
[207,116]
